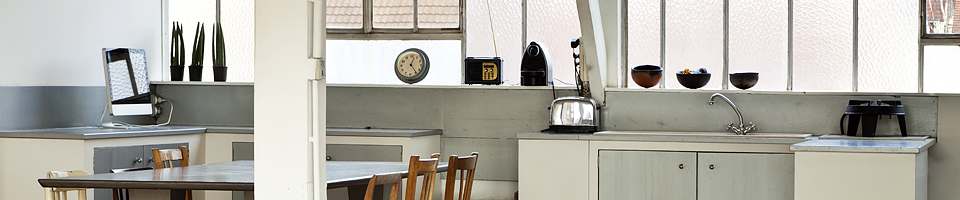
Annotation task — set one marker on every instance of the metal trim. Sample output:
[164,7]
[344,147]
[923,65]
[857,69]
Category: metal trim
[396,36]
[790,55]
[367,16]
[856,46]
[625,44]
[663,42]
[726,46]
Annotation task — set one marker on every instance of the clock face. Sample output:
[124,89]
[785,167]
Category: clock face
[412,66]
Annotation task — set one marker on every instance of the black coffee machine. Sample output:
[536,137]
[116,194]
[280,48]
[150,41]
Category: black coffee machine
[866,114]
[535,66]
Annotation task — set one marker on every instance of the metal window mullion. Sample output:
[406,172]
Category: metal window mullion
[920,47]
[663,41]
[625,44]
[790,45]
[856,45]
[416,10]
[726,45]
[523,23]
[367,16]
[463,40]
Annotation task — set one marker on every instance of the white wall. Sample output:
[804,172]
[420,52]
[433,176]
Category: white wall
[281,71]
[59,42]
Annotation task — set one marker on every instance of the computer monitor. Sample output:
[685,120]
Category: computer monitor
[128,85]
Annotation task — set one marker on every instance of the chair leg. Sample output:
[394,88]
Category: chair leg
[82,194]
[48,194]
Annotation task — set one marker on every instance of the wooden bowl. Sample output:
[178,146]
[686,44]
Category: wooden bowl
[693,81]
[646,76]
[744,80]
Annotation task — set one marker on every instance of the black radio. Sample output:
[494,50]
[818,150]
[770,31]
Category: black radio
[483,70]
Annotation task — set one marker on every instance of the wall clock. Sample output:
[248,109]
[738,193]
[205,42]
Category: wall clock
[412,66]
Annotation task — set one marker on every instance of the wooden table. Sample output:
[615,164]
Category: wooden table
[229,176]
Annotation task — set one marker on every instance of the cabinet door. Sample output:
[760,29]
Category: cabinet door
[648,175]
[745,176]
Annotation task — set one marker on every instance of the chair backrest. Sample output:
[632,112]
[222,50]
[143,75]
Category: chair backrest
[427,168]
[466,167]
[164,158]
[61,193]
[392,180]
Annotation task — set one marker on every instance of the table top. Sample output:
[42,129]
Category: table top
[229,176]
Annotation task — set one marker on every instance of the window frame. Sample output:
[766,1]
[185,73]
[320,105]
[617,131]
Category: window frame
[923,40]
[368,32]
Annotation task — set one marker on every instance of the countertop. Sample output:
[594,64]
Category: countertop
[379,132]
[865,145]
[668,136]
[92,133]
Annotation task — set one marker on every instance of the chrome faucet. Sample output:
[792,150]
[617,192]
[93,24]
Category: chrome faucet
[738,129]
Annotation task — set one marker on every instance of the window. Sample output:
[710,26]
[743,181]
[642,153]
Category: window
[795,45]
[941,31]
[237,21]
[365,36]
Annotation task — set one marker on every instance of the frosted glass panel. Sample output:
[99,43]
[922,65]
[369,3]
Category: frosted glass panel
[643,35]
[888,46]
[345,14]
[371,62]
[506,25]
[942,17]
[939,65]
[823,45]
[238,28]
[758,41]
[393,14]
[553,24]
[189,13]
[438,13]
[694,39]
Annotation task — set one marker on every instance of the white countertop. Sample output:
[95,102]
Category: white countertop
[866,145]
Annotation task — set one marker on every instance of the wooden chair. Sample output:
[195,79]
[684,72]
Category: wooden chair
[61,193]
[466,167]
[165,158]
[418,167]
[391,180]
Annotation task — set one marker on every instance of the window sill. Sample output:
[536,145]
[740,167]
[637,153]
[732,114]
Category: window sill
[487,87]
[201,83]
[797,93]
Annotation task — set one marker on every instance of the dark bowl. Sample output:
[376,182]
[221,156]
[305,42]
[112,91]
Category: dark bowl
[744,80]
[693,81]
[646,76]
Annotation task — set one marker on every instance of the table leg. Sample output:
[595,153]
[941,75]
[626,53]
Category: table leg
[178,194]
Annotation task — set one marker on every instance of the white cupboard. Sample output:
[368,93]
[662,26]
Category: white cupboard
[664,175]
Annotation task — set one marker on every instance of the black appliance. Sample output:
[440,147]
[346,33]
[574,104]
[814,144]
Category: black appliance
[862,117]
[483,70]
[535,68]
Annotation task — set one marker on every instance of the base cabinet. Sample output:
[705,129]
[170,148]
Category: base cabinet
[648,175]
[658,175]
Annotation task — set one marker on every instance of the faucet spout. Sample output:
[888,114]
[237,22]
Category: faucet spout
[739,129]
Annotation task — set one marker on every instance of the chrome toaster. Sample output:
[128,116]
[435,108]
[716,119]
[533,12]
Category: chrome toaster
[574,115]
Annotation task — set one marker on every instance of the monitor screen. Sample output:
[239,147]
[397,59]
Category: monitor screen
[127,82]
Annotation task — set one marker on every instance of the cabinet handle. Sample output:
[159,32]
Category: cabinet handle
[712,166]
[138,160]
[681,166]
[329,158]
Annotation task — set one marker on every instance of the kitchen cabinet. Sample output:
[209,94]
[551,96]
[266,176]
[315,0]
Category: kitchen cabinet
[664,175]
[648,175]
[553,169]
[744,176]
[106,159]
